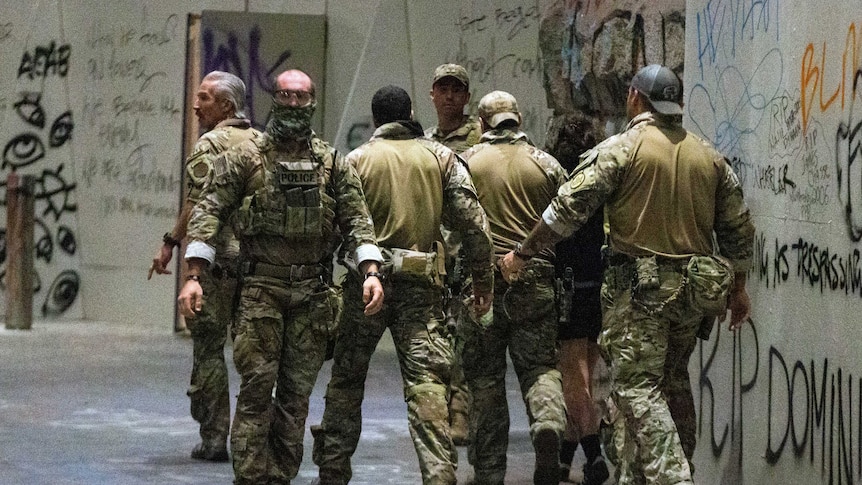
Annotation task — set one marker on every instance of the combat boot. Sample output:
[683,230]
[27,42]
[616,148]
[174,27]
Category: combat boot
[210,451]
[596,473]
[459,429]
[547,446]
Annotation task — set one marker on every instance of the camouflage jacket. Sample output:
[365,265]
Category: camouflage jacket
[224,135]
[413,185]
[459,140]
[515,181]
[656,202]
[292,206]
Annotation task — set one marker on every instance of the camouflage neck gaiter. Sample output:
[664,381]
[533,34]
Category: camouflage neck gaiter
[288,123]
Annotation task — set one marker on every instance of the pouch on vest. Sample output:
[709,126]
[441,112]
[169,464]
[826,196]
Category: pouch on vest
[709,281]
[414,263]
[291,205]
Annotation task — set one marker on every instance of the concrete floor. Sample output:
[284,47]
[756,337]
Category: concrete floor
[102,403]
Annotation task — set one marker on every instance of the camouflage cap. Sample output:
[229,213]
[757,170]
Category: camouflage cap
[661,86]
[497,106]
[451,70]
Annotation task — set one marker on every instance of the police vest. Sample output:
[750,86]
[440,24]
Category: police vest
[293,202]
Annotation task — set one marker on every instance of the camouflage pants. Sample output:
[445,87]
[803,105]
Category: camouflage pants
[208,390]
[414,315]
[648,339]
[459,392]
[280,343]
[525,323]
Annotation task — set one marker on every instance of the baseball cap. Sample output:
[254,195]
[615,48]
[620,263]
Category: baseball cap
[661,86]
[451,70]
[497,106]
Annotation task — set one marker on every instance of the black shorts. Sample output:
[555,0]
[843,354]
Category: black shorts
[585,319]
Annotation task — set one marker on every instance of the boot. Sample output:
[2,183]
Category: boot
[210,451]
[547,445]
[459,429]
[596,473]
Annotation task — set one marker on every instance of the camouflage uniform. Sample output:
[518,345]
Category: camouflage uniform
[208,390]
[458,141]
[289,208]
[406,217]
[648,335]
[515,180]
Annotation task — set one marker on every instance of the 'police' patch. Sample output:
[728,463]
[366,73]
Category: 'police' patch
[297,173]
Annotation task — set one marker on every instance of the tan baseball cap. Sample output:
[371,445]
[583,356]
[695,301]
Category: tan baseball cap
[451,70]
[661,86]
[497,106]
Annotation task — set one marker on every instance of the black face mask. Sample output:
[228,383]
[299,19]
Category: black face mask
[288,123]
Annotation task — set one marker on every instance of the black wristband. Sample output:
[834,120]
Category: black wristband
[374,273]
[195,277]
[518,253]
[168,238]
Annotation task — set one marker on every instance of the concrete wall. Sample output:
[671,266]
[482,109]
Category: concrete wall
[775,85]
[91,103]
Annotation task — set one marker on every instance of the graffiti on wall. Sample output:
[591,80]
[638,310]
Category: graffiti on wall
[256,47]
[127,113]
[813,407]
[809,166]
[35,150]
[247,64]
[782,105]
[491,44]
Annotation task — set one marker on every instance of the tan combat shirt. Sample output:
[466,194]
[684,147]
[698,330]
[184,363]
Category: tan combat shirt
[515,181]
[665,191]
[412,185]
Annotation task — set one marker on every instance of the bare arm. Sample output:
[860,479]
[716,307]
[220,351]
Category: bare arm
[739,303]
[191,295]
[166,251]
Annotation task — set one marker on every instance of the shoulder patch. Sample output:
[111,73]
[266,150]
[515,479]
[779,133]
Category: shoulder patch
[200,170]
[219,167]
[578,180]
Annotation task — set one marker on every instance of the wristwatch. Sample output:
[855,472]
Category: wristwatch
[518,253]
[169,238]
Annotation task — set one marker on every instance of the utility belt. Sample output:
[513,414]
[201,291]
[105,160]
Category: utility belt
[705,284]
[640,272]
[219,271]
[619,259]
[293,272]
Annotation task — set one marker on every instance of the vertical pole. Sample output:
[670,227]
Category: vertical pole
[19,251]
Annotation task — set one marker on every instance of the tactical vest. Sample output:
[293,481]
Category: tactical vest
[293,202]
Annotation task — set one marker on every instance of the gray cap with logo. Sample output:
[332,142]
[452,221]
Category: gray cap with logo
[661,86]
[451,70]
[497,106]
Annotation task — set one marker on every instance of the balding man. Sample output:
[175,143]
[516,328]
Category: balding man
[295,201]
